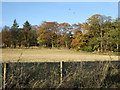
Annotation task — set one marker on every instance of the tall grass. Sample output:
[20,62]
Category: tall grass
[75,75]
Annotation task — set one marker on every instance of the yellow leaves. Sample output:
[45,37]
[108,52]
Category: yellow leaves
[64,24]
[78,39]
[94,16]
[60,40]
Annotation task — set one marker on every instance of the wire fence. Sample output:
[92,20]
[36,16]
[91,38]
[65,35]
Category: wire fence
[61,75]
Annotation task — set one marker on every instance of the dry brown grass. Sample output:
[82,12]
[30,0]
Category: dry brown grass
[50,55]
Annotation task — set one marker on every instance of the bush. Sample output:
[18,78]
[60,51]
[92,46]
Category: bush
[87,48]
[75,75]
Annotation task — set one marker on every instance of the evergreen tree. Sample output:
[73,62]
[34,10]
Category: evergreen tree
[26,34]
[6,37]
[14,33]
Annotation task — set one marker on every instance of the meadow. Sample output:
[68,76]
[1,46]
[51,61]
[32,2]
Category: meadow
[40,68]
[52,55]
[51,45]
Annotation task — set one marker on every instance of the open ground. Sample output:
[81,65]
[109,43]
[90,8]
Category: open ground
[51,55]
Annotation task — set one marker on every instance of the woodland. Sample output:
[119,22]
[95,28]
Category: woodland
[98,33]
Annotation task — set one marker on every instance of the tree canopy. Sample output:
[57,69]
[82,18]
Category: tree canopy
[98,33]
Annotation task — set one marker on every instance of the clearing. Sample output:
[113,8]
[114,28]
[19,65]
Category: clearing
[51,55]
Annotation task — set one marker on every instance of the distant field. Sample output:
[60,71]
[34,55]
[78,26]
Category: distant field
[51,55]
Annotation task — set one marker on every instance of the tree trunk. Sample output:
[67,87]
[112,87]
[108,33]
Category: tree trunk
[98,49]
[117,47]
[66,44]
[101,47]
[14,45]
[101,43]
[52,44]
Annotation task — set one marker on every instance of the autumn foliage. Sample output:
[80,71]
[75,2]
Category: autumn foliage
[98,33]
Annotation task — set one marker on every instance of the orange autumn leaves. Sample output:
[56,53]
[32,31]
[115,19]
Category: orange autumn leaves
[97,33]
[61,34]
[77,41]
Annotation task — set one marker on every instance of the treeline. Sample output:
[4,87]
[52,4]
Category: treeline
[98,33]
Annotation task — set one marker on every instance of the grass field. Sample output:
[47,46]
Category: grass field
[43,70]
[51,55]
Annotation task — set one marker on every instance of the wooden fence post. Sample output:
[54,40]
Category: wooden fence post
[4,76]
[61,76]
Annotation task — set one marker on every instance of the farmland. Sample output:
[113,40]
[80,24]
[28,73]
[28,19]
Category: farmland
[51,55]
[42,69]
[59,45]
